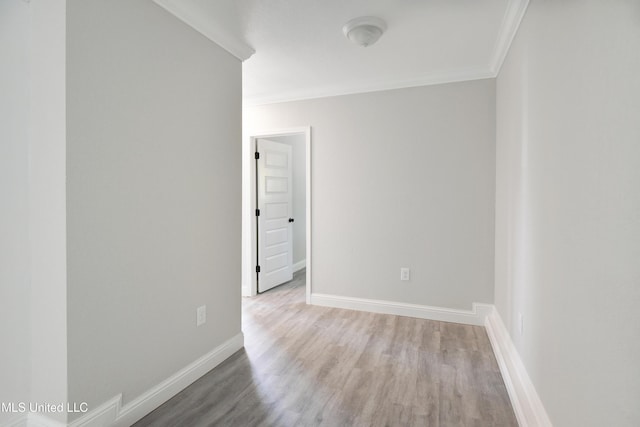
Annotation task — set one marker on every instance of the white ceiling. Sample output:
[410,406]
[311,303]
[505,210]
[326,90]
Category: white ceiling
[300,51]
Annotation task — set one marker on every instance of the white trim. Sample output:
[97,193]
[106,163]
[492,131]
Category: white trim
[197,20]
[249,283]
[246,290]
[103,415]
[307,260]
[34,419]
[510,23]
[299,265]
[113,413]
[475,316]
[526,403]
[20,421]
[40,420]
[453,76]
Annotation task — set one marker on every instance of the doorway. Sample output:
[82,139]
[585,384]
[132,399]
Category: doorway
[267,261]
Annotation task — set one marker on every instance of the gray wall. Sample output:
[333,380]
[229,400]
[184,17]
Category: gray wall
[400,178]
[298,152]
[15,359]
[47,203]
[154,140]
[568,207]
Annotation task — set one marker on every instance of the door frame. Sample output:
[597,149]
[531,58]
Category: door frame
[249,194]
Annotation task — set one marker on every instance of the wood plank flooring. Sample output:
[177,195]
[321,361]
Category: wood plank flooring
[316,366]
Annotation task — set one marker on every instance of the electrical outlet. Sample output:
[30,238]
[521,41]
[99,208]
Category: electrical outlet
[201,315]
[405,273]
[521,323]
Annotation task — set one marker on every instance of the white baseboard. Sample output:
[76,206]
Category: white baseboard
[246,291]
[524,398]
[19,421]
[299,265]
[104,415]
[39,420]
[33,419]
[113,413]
[475,316]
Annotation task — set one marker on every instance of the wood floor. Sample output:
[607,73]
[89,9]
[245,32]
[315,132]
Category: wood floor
[316,366]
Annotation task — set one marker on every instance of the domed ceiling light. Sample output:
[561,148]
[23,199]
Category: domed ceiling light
[364,31]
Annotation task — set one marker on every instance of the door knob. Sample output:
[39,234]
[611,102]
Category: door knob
[290,219]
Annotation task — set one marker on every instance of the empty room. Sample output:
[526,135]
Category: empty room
[304,213]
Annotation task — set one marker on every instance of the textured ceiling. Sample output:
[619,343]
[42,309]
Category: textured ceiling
[300,51]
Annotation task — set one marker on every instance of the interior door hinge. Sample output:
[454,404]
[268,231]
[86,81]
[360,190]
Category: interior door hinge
[257,155]
[257,269]
[257,212]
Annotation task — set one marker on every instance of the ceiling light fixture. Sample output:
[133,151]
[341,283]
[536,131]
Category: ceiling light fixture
[364,31]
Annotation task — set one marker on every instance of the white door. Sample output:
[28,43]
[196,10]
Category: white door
[275,243]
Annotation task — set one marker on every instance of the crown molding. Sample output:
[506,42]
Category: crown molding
[207,28]
[453,76]
[513,16]
[510,23]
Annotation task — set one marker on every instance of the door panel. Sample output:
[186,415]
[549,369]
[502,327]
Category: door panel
[276,236]
[276,210]
[275,242]
[276,185]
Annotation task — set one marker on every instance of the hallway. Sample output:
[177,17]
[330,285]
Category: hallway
[308,365]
